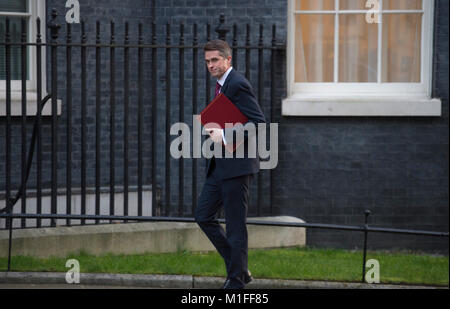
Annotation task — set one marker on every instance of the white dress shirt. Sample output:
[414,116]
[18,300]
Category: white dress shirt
[221,81]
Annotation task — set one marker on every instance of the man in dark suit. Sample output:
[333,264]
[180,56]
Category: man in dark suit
[228,179]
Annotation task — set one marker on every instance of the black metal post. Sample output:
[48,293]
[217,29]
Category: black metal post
[8,136]
[234,48]
[207,81]
[140,114]
[247,75]
[10,220]
[207,77]
[220,29]
[97,119]
[154,119]
[260,101]
[366,226]
[272,108]
[69,122]
[38,121]
[194,112]
[126,92]
[112,120]
[24,119]
[181,119]
[83,119]
[8,115]
[54,28]
[247,53]
[168,110]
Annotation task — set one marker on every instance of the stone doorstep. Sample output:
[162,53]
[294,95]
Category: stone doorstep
[138,238]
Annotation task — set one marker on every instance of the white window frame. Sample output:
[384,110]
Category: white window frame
[363,99]
[36,8]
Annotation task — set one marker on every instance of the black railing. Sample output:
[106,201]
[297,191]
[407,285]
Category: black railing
[351,228]
[130,58]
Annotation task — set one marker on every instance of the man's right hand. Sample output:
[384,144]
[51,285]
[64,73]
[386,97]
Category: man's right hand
[215,134]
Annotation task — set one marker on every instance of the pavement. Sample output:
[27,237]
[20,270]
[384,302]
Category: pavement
[55,280]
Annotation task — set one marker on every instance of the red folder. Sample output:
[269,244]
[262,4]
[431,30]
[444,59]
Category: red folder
[222,111]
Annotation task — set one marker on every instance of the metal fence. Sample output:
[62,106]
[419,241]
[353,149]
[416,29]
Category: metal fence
[144,56]
[365,229]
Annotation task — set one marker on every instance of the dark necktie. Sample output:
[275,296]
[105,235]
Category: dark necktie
[217,89]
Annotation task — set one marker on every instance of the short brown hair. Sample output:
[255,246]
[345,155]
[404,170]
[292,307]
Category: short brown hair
[221,46]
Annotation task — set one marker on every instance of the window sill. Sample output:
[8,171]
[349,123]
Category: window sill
[16,105]
[362,106]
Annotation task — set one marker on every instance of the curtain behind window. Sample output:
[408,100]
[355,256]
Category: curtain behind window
[358,43]
[402,40]
[15,28]
[314,43]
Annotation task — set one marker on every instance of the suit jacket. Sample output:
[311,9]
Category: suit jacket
[238,89]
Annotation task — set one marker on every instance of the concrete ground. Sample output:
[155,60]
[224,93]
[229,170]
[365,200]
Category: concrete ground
[44,280]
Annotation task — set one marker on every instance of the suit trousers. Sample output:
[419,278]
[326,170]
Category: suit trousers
[233,195]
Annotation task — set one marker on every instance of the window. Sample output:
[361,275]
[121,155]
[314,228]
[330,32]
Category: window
[360,57]
[20,8]
[15,10]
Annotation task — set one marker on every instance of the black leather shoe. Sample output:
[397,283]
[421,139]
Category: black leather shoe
[247,279]
[231,284]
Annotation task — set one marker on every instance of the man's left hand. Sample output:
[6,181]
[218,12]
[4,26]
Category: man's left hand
[216,135]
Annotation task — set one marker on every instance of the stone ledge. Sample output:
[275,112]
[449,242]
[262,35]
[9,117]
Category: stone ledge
[138,238]
[362,107]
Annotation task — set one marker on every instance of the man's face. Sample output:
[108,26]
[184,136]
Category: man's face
[217,65]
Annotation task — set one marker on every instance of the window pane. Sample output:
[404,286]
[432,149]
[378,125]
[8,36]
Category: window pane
[312,5]
[402,48]
[15,26]
[314,48]
[358,41]
[402,4]
[352,4]
[14,6]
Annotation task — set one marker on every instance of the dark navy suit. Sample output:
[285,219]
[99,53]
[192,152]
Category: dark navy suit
[227,185]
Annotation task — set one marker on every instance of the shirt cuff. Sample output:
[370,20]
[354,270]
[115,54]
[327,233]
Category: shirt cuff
[223,137]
